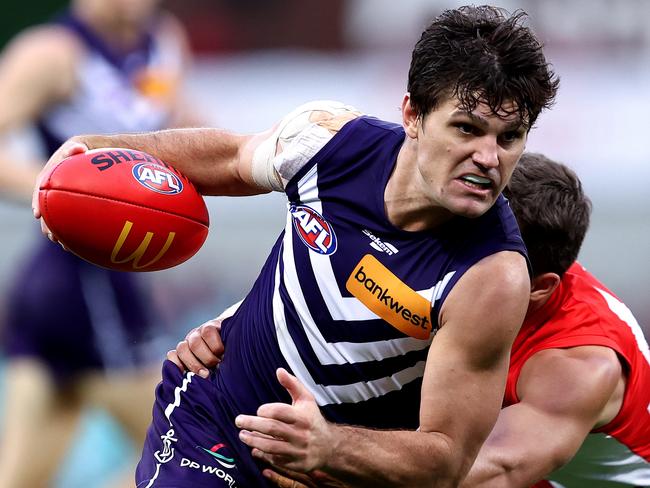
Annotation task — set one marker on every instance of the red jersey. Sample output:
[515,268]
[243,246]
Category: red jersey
[582,312]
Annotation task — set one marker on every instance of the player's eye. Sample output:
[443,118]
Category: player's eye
[466,128]
[511,136]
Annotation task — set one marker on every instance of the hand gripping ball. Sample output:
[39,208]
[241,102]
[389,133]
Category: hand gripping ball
[124,210]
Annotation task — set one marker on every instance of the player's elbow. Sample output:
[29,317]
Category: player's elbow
[443,464]
[512,471]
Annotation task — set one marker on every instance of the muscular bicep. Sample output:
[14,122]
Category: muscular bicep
[569,390]
[467,364]
[563,394]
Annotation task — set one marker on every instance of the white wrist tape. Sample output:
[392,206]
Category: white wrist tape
[301,139]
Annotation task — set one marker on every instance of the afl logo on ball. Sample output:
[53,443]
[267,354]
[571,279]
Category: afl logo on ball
[157,178]
[316,232]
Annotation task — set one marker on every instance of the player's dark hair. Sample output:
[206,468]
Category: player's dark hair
[552,212]
[480,54]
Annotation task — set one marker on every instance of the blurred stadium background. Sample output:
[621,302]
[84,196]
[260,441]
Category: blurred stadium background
[257,59]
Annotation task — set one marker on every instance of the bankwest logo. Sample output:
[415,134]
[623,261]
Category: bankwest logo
[386,295]
[137,255]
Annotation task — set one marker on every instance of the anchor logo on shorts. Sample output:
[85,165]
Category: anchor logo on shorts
[167,453]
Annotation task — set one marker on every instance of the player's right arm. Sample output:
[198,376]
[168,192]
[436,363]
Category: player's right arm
[564,394]
[217,161]
[36,70]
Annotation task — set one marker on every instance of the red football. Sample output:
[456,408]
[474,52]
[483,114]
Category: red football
[124,210]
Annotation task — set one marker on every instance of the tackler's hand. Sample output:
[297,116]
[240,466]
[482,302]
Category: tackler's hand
[201,349]
[295,437]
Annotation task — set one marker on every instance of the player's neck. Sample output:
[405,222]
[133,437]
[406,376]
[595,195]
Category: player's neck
[407,206]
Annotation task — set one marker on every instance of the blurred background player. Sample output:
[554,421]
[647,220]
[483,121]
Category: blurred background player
[104,66]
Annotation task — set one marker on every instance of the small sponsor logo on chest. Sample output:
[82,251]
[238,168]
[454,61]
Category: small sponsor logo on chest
[381,246]
[390,298]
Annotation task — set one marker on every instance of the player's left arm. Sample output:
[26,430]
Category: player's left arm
[462,391]
[564,393]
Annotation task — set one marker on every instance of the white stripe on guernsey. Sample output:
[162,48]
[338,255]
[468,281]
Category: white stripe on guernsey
[153,478]
[168,412]
[338,352]
[177,396]
[440,286]
[341,308]
[326,395]
[625,315]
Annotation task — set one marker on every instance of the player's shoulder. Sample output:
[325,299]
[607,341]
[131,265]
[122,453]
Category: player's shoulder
[170,26]
[49,45]
[328,114]
[585,291]
[508,268]
[585,375]
[499,283]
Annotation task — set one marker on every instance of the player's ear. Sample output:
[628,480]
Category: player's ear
[542,287]
[410,118]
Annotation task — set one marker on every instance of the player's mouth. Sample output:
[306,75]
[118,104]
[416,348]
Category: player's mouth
[477,182]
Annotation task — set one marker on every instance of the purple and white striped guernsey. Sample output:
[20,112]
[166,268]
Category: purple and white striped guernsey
[345,301]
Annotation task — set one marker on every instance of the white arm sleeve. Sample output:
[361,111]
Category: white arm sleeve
[300,139]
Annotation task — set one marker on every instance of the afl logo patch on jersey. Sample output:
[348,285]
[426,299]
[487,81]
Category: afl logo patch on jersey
[157,178]
[316,232]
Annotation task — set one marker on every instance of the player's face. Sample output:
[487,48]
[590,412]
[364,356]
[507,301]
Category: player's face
[465,159]
[133,12]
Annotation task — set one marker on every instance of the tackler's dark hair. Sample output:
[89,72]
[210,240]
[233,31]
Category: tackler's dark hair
[552,212]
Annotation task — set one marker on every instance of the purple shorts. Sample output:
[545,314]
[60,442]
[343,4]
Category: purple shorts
[192,441]
[74,316]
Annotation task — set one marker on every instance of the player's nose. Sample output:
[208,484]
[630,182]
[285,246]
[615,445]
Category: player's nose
[485,153]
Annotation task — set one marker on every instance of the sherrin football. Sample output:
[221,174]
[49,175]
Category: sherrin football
[124,210]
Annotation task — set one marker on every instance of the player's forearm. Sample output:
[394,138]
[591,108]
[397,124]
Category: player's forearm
[210,158]
[364,457]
